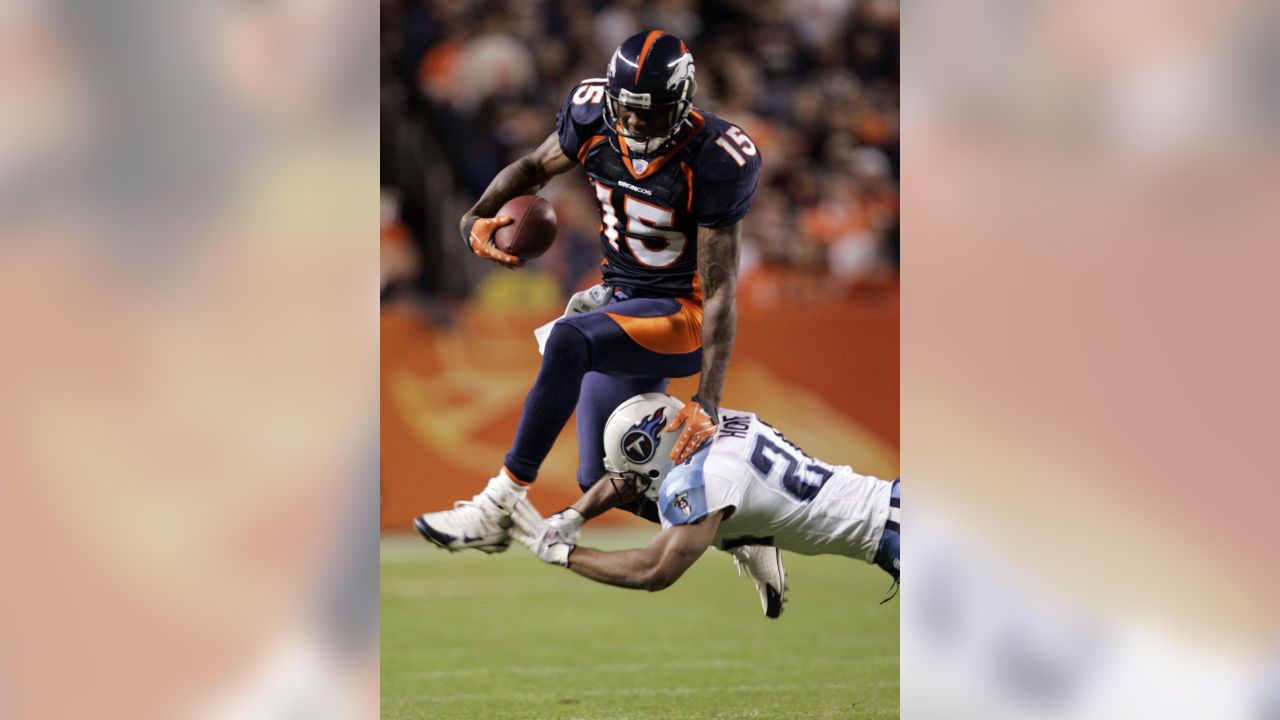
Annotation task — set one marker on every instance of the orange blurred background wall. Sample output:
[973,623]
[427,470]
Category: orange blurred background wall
[451,397]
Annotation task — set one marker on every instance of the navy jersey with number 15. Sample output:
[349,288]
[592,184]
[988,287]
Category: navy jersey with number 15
[651,209]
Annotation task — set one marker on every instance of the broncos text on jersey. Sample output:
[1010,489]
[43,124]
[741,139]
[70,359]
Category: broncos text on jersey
[651,209]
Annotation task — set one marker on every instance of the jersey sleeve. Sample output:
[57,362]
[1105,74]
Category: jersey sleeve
[694,490]
[728,171]
[582,116]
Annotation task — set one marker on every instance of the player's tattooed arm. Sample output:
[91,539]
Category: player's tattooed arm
[671,552]
[718,273]
[524,176]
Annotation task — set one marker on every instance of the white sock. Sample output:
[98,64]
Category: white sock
[505,489]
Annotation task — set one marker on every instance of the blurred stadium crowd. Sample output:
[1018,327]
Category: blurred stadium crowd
[469,85]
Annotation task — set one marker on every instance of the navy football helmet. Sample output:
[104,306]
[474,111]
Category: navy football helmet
[649,92]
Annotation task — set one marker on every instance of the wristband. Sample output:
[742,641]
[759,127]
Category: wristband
[577,522]
[710,411]
[466,231]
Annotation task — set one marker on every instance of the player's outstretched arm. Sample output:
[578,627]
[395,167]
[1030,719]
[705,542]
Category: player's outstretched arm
[671,552]
[718,274]
[552,538]
[718,271]
[524,176]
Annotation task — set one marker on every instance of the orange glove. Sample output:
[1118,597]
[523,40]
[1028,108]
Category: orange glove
[699,427]
[478,232]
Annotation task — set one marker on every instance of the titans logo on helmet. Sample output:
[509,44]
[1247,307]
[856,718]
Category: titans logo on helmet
[640,442]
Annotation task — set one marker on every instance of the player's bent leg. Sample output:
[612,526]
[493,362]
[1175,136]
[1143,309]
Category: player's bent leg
[763,564]
[661,340]
[566,360]
[638,338]
[600,395]
[481,523]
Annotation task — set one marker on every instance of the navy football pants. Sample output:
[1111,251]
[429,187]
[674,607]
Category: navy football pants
[596,360]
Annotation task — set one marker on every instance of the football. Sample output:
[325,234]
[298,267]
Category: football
[533,229]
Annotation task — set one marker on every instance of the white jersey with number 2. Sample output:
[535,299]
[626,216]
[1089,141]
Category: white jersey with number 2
[780,496]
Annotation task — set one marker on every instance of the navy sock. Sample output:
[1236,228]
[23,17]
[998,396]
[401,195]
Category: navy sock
[889,553]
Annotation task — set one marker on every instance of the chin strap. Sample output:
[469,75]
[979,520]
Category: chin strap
[893,591]
[625,487]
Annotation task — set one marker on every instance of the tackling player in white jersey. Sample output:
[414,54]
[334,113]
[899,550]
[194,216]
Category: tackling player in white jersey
[748,485]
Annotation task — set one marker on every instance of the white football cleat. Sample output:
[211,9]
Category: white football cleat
[763,564]
[481,523]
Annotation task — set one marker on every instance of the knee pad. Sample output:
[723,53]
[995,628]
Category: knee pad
[566,344]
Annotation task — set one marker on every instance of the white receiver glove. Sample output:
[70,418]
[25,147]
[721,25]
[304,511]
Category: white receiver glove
[568,522]
[552,541]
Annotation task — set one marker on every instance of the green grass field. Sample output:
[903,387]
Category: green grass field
[490,637]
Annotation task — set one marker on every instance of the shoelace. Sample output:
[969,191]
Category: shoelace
[893,591]
[474,504]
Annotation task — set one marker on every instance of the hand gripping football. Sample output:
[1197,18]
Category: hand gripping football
[533,228]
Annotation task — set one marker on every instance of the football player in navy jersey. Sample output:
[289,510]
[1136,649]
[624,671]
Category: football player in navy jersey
[673,183]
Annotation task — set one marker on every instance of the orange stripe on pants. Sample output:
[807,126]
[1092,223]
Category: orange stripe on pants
[675,334]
